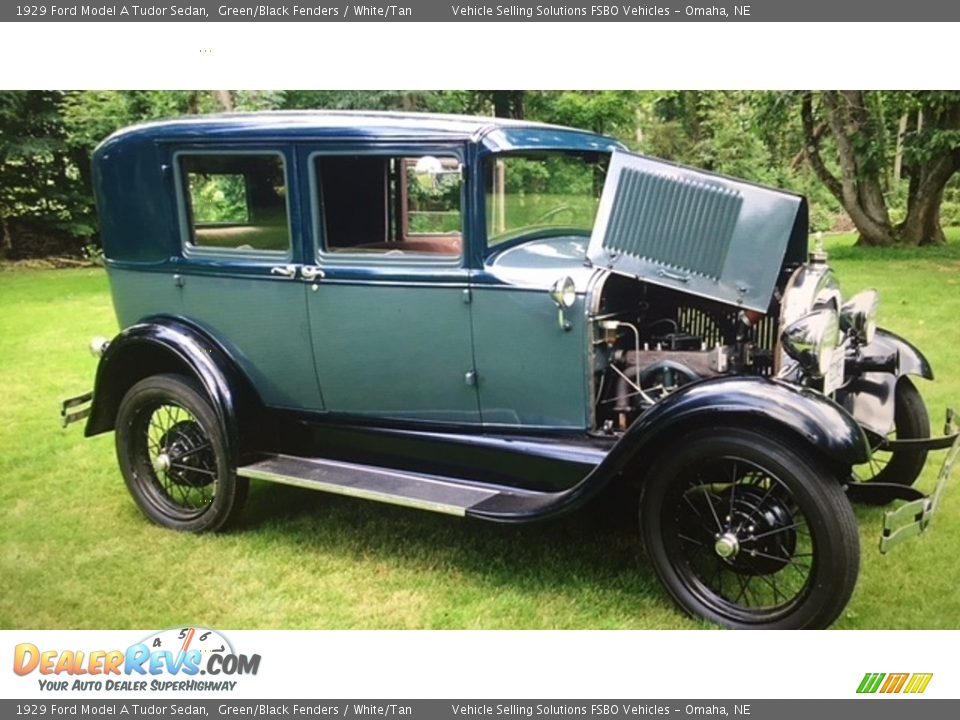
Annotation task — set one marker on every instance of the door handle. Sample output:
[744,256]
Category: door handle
[285,270]
[311,273]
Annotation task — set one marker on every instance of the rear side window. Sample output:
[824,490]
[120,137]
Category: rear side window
[235,202]
[390,206]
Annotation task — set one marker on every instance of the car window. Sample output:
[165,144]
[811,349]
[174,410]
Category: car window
[546,192]
[389,206]
[236,202]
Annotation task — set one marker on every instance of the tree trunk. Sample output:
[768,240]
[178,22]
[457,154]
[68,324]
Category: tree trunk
[858,188]
[224,100]
[862,195]
[927,183]
[6,244]
[508,103]
[922,224]
[875,236]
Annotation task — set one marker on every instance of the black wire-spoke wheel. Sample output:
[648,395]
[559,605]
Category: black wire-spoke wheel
[902,466]
[746,532]
[741,535]
[173,455]
[183,465]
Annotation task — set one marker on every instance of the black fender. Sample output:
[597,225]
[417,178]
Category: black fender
[912,361]
[165,345]
[870,397]
[806,416]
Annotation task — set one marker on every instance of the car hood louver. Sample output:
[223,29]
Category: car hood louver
[693,231]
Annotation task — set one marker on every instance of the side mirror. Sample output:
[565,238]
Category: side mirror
[564,295]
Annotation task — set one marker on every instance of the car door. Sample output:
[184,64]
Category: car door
[533,362]
[388,297]
[237,271]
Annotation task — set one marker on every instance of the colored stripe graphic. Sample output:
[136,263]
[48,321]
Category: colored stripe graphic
[870,682]
[918,683]
[894,683]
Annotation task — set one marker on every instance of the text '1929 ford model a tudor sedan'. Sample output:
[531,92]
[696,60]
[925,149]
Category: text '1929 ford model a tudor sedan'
[499,320]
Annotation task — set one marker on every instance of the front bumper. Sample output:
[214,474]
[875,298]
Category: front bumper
[914,517]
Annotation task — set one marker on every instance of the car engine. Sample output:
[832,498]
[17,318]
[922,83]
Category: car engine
[648,342]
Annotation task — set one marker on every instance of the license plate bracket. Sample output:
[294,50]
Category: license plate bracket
[914,517]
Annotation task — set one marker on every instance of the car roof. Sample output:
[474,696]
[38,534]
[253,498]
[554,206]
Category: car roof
[497,134]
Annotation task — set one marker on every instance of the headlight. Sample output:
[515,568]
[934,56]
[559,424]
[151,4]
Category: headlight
[812,339]
[858,316]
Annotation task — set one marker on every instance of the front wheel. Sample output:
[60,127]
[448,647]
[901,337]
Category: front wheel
[747,532]
[174,458]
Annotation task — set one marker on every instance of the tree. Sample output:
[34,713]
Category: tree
[406,100]
[853,145]
[89,116]
[931,158]
[41,185]
[611,112]
[860,128]
[506,103]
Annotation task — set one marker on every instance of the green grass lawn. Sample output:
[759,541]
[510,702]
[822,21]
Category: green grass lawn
[77,553]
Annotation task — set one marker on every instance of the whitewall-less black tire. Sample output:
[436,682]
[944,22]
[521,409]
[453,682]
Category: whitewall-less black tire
[174,458]
[746,531]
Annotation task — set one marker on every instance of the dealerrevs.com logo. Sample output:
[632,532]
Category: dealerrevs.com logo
[173,659]
[887,683]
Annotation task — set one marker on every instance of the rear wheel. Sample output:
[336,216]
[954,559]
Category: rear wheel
[746,532]
[174,458]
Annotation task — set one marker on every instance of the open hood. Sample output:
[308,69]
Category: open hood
[696,232]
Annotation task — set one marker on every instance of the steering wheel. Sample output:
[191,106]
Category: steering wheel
[553,212]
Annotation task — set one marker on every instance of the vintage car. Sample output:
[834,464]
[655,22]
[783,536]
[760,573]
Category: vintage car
[498,320]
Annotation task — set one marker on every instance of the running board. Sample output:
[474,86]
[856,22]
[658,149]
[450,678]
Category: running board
[425,492]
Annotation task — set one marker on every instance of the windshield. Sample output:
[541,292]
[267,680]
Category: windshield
[542,193]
